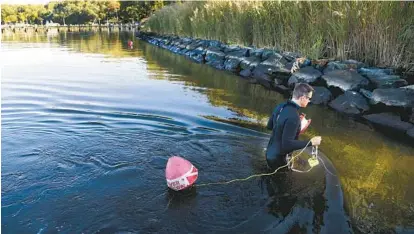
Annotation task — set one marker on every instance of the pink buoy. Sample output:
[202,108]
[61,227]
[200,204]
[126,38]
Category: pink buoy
[130,44]
[180,173]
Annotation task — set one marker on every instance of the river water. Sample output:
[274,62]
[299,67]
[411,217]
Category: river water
[89,123]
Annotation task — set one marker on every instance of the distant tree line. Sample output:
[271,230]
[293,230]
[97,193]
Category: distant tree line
[80,12]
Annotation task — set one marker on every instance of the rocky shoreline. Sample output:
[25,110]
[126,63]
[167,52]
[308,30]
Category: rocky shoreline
[377,96]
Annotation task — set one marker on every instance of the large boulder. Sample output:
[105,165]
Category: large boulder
[249,62]
[343,65]
[350,102]
[321,95]
[272,67]
[290,56]
[373,71]
[267,53]
[186,40]
[232,64]
[305,75]
[408,87]
[345,80]
[387,81]
[368,95]
[256,53]
[236,51]
[214,54]
[399,97]
[197,54]
[230,48]
[214,43]
[233,59]
[389,120]
[194,45]
[382,78]
[262,77]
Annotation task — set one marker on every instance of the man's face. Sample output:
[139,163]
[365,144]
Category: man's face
[304,100]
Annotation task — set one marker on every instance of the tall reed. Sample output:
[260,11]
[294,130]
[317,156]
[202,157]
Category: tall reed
[378,33]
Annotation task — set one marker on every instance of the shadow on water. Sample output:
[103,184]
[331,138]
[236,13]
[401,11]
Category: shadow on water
[108,141]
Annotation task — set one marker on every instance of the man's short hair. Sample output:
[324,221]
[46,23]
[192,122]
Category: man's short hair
[301,89]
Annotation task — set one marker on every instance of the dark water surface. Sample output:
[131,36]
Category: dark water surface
[88,125]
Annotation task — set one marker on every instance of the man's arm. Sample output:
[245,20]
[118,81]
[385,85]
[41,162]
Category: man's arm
[273,118]
[289,143]
[270,123]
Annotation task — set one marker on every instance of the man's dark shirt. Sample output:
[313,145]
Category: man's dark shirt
[285,131]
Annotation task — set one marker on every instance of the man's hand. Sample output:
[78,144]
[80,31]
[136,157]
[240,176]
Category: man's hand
[316,140]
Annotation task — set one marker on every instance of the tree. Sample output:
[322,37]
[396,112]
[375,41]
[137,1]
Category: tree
[113,8]
[62,10]
[8,14]
[135,11]
[81,11]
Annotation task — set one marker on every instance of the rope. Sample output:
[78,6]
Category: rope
[259,175]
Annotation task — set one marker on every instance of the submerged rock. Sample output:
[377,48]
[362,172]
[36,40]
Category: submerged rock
[218,64]
[281,88]
[345,80]
[246,73]
[350,102]
[389,120]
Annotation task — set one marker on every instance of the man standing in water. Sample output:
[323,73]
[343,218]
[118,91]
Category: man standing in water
[285,126]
